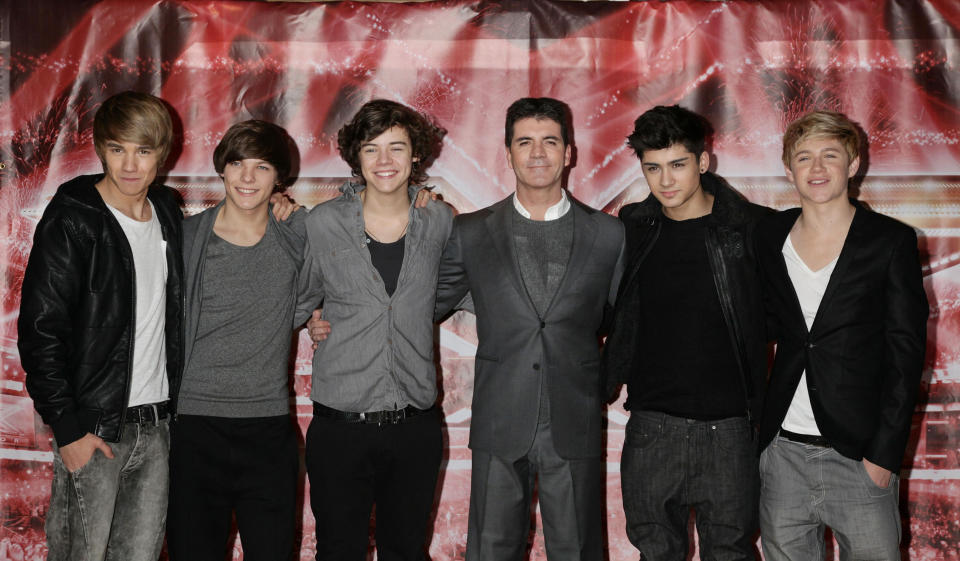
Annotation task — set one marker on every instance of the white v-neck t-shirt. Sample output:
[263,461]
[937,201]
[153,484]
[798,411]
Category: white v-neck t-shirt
[149,381]
[810,287]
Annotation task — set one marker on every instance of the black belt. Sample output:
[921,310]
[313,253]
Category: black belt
[810,439]
[373,417]
[148,413]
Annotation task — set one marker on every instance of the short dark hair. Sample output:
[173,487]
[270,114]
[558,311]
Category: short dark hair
[662,127]
[259,140]
[133,117]
[538,108]
[380,115]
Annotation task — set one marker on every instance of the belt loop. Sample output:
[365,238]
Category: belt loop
[156,415]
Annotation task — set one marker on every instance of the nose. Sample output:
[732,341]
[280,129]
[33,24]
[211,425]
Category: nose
[383,156]
[129,161]
[666,177]
[816,163]
[538,151]
[246,173]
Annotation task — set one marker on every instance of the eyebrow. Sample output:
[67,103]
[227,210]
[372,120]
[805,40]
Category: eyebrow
[677,161]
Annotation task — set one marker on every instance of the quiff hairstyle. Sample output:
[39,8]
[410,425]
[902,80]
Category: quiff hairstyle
[257,140]
[380,115]
[821,124]
[662,126]
[134,117]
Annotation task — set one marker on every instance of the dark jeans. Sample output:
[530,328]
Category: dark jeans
[353,466]
[670,465]
[219,465]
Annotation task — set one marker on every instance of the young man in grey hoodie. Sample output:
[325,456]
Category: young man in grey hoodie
[234,443]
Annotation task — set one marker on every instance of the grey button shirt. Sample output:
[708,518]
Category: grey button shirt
[379,355]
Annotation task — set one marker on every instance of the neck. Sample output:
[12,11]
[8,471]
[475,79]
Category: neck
[699,205]
[826,217]
[397,202]
[134,206]
[537,201]
[249,221]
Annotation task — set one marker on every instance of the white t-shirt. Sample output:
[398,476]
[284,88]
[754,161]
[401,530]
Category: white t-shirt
[149,381]
[809,286]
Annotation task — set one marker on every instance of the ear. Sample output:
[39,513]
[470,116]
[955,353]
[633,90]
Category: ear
[704,162]
[566,155]
[789,173]
[854,167]
[509,157]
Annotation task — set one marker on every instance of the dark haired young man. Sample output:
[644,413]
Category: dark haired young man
[234,445]
[371,260]
[541,269]
[100,338]
[688,340]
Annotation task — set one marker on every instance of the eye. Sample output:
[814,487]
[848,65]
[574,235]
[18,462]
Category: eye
[145,151]
[265,167]
[678,165]
[369,150]
[235,163]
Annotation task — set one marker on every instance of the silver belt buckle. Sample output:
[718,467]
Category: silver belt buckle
[156,415]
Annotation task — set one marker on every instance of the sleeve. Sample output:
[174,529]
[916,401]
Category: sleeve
[51,288]
[905,331]
[310,292]
[452,283]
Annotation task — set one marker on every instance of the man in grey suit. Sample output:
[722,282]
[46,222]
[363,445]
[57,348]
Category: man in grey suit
[541,269]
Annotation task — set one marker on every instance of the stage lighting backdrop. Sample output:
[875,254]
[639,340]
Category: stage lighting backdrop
[749,67]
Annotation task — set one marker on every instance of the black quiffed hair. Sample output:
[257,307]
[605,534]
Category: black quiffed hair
[259,140]
[662,127]
[538,108]
[380,115]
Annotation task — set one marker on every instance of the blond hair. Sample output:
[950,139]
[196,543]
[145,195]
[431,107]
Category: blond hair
[133,117]
[821,124]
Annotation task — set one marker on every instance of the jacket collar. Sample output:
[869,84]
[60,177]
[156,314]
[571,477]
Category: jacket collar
[728,205]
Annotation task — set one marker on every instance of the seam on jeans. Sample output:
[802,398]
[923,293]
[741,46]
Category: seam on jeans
[81,510]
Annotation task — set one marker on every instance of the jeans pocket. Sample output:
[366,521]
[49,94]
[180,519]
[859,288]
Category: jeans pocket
[873,489]
[640,435]
[733,439]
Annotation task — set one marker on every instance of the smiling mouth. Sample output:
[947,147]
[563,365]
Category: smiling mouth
[385,174]
[243,191]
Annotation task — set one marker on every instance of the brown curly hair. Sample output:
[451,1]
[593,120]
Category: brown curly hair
[378,116]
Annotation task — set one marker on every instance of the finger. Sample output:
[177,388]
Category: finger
[105,448]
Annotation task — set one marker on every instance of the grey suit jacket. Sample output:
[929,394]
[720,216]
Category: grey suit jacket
[518,348]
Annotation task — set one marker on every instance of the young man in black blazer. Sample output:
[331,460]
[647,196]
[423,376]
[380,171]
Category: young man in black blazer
[845,303]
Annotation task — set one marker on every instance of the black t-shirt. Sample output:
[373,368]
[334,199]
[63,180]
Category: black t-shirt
[687,365]
[387,258]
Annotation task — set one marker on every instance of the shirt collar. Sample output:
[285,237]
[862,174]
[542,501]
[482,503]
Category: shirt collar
[552,213]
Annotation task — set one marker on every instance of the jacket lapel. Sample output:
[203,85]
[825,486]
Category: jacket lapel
[584,235]
[500,229]
[784,225]
[847,253]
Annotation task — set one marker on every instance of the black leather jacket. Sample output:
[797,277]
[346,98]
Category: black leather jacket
[732,258]
[77,316]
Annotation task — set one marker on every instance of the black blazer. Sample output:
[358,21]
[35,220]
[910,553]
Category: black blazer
[864,353]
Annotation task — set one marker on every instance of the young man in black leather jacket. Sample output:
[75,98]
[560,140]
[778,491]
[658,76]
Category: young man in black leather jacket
[100,324]
[688,341]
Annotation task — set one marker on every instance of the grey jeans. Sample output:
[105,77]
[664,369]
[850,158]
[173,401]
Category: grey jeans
[112,509]
[806,488]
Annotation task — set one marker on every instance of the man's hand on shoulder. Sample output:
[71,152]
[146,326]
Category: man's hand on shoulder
[879,475]
[283,206]
[424,196]
[317,327]
[76,454]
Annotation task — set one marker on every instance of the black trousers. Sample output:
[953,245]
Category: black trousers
[353,466]
[223,465]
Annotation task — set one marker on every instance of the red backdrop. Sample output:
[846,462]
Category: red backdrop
[750,67]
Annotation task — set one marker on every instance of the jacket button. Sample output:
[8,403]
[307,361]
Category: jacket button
[810,345]
[536,366]
[543,324]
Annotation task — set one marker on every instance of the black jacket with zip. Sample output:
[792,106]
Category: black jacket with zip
[730,250]
[77,311]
